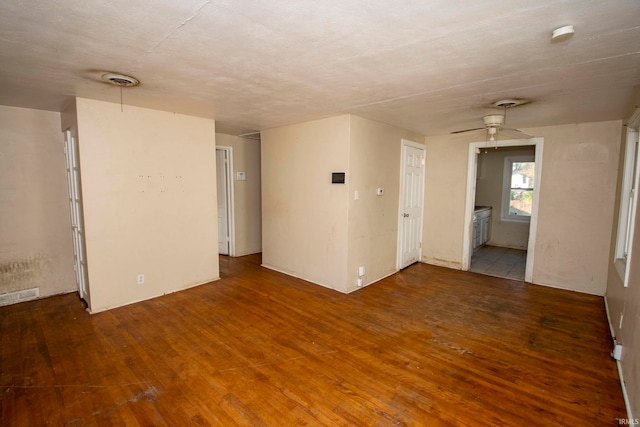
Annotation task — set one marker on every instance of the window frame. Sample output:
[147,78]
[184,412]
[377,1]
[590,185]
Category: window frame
[628,199]
[506,187]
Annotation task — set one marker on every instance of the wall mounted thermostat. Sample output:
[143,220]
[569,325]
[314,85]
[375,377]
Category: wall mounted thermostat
[337,177]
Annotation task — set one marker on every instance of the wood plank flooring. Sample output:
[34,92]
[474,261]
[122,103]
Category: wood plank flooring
[428,346]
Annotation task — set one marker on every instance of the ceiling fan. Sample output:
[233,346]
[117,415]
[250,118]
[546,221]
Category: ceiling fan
[494,123]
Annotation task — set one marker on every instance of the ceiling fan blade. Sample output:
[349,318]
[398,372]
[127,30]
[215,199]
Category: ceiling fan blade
[515,133]
[467,130]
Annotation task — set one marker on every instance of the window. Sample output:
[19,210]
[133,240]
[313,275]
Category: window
[517,191]
[628,198]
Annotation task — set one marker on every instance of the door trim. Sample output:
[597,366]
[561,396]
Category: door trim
[407,143]
[472,169]
[76,212]
[230,198]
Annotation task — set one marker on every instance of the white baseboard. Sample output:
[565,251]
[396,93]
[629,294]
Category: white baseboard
[625,395]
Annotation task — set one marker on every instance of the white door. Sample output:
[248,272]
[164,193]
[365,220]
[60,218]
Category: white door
[75,205]
[411,205]
[222,163]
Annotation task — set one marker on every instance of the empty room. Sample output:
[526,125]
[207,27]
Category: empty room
[326,214]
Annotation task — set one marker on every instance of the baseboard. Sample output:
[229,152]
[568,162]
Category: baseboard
[625,395]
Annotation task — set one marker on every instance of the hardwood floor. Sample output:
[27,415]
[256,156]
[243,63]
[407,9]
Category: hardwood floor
[427,346]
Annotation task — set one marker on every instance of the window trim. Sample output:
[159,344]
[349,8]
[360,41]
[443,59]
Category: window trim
[506,187]
[628,199]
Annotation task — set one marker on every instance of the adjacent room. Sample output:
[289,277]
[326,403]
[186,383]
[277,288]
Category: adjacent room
[303,213]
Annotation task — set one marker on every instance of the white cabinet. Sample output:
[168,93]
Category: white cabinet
[481,226]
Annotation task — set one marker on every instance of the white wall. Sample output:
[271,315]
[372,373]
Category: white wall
[247,194]
[575,208]
[149,189]
[35,226]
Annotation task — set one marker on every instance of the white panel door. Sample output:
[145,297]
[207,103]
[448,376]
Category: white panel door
[77,222]
[411,205]
[223,211]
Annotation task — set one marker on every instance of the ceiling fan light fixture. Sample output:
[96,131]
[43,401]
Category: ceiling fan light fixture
[493,120]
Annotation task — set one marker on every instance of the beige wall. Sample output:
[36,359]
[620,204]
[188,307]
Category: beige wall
[316,230]
[624,303]
[247,199]
[575,208]
[35,227]
[444,199]
[149,189]
[577,196]
[304,216]
[373,220]
[489,182]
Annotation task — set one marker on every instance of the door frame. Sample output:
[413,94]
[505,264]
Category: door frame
[472,170]
[404,143]
[76,213]
[230,197]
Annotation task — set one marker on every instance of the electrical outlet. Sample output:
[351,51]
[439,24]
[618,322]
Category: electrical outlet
[140,279]
[617,352]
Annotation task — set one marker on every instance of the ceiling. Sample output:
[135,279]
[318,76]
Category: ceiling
[429,66]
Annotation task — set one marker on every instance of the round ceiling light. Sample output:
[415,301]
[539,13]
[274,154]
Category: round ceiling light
[120,80]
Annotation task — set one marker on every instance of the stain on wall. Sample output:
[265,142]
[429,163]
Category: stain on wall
[23,273]
[35,228]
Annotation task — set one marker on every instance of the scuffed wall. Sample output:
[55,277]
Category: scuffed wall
[577,192]
[35,229]
[149,200]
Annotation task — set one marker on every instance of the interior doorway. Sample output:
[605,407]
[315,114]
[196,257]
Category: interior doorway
[224,183]
[501,213]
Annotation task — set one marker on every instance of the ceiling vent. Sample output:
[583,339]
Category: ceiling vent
[120,80]
[509,103]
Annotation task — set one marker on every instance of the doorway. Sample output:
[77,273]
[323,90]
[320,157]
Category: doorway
[411,204]
[500,219]
[224,184]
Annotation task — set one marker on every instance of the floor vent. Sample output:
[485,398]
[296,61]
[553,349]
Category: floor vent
[19,296]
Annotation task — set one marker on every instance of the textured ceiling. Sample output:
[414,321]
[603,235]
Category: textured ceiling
[430,66]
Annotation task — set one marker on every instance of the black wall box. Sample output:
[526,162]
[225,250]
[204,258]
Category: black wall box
[337,177]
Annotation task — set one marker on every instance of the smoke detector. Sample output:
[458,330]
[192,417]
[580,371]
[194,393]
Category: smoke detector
[120,80]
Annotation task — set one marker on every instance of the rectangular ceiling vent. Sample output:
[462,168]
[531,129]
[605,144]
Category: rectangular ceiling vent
[19,296]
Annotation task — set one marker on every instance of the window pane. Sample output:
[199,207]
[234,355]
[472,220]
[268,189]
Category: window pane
[521,202]
[522,174]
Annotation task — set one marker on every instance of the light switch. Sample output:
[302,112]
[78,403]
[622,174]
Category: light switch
[241,176]
[380,191]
